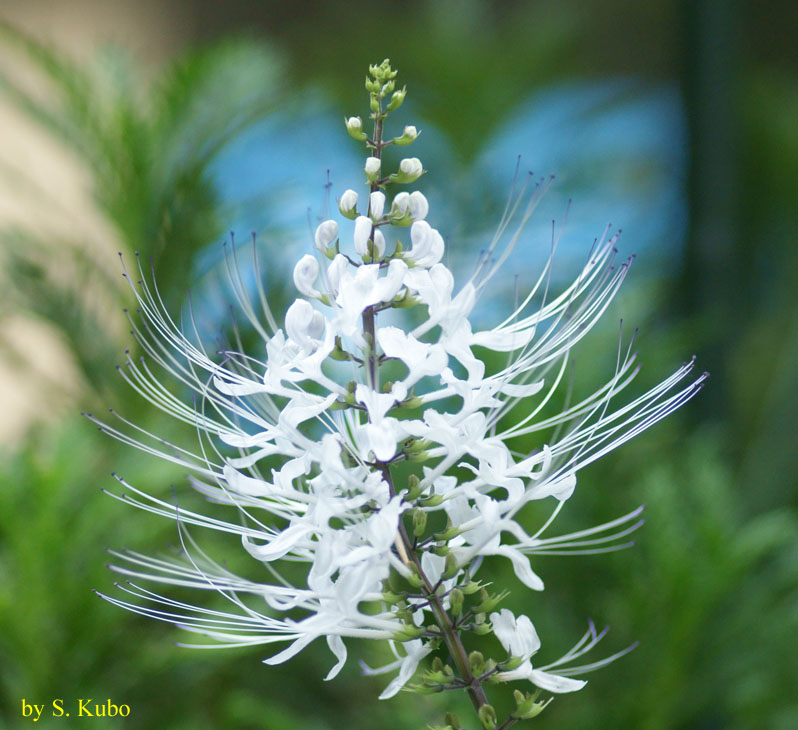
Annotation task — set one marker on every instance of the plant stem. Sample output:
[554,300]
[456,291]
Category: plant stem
[451,636]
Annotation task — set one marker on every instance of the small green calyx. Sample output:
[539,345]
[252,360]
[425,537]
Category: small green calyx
[489,602]
[487,716]
[456,599]
[526,706]
[419,522]
[396,100]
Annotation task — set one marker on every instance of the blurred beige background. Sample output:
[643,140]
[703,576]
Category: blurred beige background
[38,380]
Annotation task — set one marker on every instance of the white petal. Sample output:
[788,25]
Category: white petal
[306,272]
[376,204]
[326,233]
[363,226]
[554,682]
[337,647]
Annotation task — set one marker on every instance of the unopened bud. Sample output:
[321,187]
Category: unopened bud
[419,522]
[409,135]
[456,599]
[354,125]
[363,228]
[487,716]
[452,566]
[372,169]
[348,204]
[477,662]
[376,205]
[410,170]
[397,99]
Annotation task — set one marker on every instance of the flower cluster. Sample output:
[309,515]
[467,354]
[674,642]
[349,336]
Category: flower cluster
[343,449]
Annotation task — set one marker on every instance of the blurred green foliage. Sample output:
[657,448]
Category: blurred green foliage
[711,589]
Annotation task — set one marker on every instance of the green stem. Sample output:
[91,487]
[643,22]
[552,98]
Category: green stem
[451,636]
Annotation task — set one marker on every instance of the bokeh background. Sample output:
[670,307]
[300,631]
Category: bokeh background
[160,127]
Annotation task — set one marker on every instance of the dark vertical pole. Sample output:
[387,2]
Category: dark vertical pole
[712,290]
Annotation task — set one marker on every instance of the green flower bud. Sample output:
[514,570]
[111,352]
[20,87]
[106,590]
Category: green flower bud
[456,599]
[452,566]
[354,125]
[408,135]
[477,662]
[487,716]
[413,490]
[397,99]
[419,522]
[410,170]
[452,721]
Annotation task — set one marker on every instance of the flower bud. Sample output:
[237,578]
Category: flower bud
[418,206]
[410,170]
[363,227]
[354,125]
[419,522]
[348,204]
[326,233]
[409,135]
[376,205]
[305,273]
[456,601]
[487,716]
[396,99]
[372,169]
[379,243]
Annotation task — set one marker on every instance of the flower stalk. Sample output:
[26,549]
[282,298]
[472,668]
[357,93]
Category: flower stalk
[303,442]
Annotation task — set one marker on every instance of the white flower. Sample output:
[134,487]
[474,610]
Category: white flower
[372,168]
[348,204]
[410,169]
[363,228]
[326,233]
[304,325]
[331,444]
[401,204]
[306,272]
[376,205]
[427,244]
[519,638]
[419,207]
